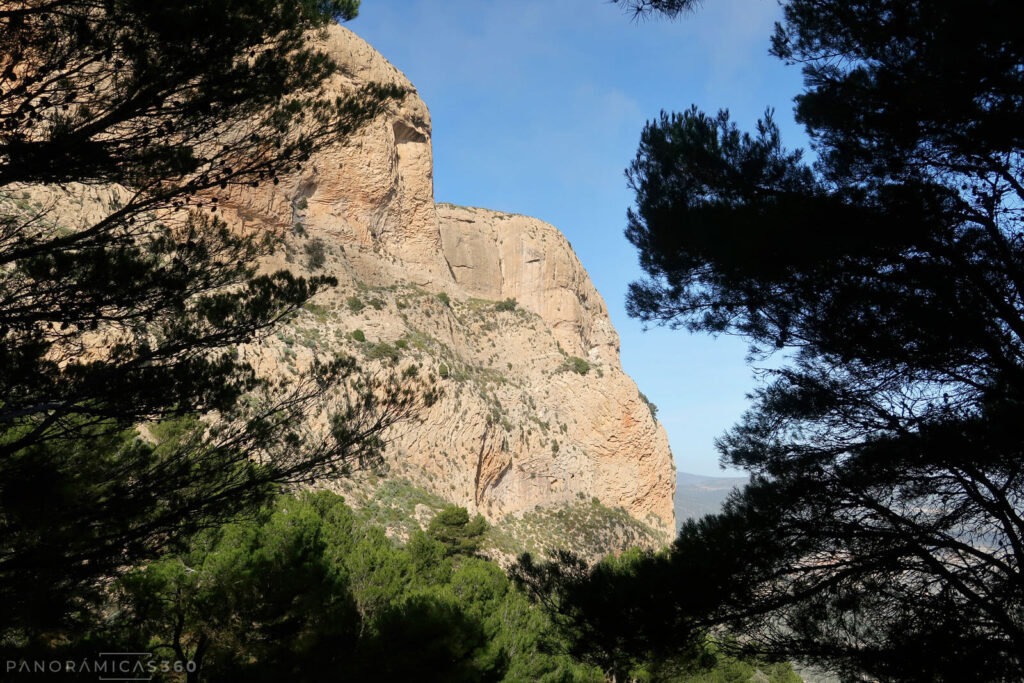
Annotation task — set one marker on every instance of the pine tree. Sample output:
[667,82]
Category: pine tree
[883,532]
[129,313]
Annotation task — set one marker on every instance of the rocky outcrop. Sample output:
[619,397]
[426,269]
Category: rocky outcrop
[623,451]
[537,412]
[499,256]
[377,190]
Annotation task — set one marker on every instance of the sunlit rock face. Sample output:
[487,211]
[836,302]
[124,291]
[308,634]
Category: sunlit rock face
[536,409]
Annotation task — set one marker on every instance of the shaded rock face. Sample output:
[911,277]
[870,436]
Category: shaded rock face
[537,411]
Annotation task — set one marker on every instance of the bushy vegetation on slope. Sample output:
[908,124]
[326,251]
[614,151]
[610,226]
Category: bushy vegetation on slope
[308,589]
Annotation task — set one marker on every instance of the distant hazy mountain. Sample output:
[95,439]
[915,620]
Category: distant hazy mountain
[698,495]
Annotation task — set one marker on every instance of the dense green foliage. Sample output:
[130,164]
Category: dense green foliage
[307,590]
[129,310]
[883,531]
[595,608]
[459,534]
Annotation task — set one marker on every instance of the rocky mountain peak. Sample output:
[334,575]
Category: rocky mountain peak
[537,413]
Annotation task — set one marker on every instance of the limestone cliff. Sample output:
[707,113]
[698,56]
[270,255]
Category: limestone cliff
[538,424]
[537,412]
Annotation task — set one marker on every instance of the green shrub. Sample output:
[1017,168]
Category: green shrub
[459,534]
[317,310]
[402,344]
[355,304]
[316,254]
[554,447]
[444,298]
[302,204]
[442,371]
[506,305]
[650,406]
[577,365]
[383,351]
[378,303]
[358,335]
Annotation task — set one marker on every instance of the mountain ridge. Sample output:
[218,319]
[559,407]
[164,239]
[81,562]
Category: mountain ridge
[537,412]
[698,495]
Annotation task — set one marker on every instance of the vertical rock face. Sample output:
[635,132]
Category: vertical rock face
[537,411]
[499,256]
[377,190]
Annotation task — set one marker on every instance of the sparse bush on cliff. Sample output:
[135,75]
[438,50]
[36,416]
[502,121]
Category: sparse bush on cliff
[355,304]
[506,305]
[383,351]
[316,254]
[650,406]
[577,365]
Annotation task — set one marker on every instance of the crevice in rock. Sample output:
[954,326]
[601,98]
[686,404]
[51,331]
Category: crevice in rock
[480,465]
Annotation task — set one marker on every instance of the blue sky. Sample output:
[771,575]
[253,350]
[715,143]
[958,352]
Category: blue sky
[537,108]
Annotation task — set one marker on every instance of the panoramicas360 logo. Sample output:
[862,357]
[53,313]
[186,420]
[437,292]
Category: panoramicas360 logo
[108,666]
